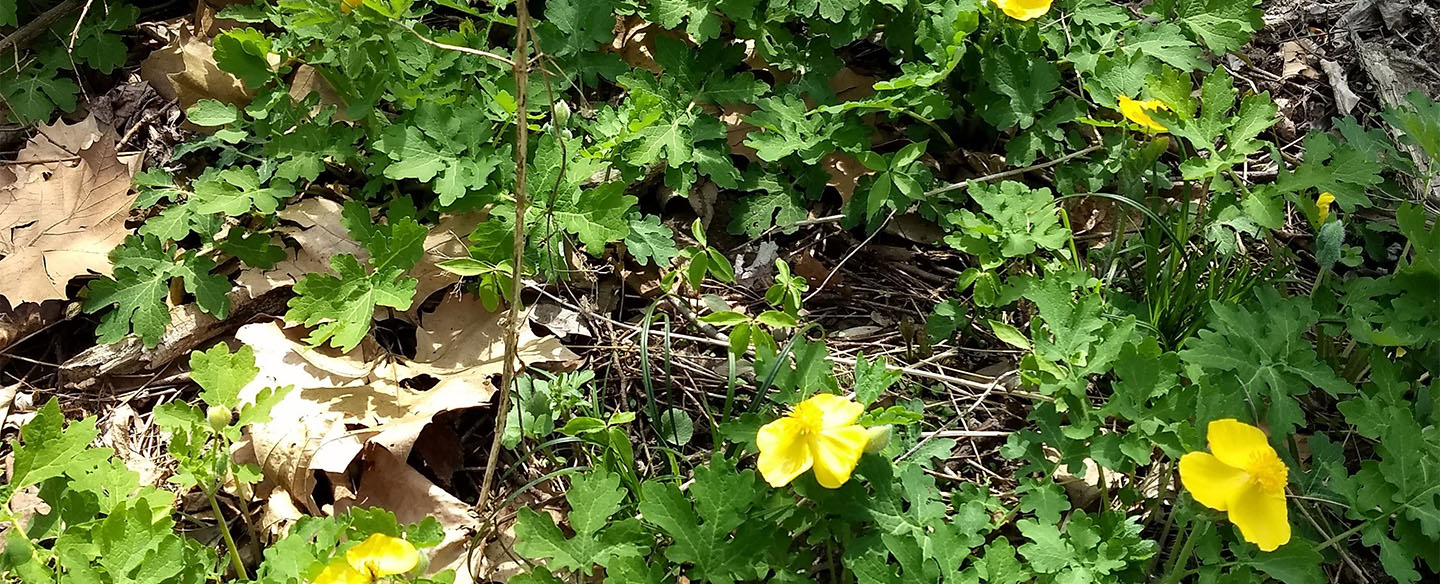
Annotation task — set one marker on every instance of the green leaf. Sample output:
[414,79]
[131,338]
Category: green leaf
[649,239]
[37,94]
[341,306]
[724,318]
[221,373]
[598,216]
[144,268]
[47,447]
[210,112]
[1266,351]
[1223,25]
[778,205]
[246,54]
[593,498]
[1019,85]
[713,536]
[255,249]
[872,378]
[675,427]
[1330,167]
[234,191]
[1294,563]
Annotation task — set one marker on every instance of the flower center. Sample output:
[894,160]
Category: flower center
[810,416]
[1268,470]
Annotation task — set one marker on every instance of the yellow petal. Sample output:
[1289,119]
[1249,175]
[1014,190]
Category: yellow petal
[837,451]
[1212,482]
[784,454]
[382,555]
[838,411]
[1322,206]
[339,572]
[1139,112]
[1236,443]
[1024,9]
[1261,516]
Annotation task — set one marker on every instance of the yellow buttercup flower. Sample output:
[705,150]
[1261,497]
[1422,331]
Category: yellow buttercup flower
[378,556]
[347,5]
[339,572]
[1139,112]
[1322,206]
[820,433]
[1024,9]
[1243,476]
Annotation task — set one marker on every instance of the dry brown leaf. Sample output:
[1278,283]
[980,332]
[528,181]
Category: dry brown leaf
[314,225]
[561,321]
[388,482]
[461,342]
[850,85]
[1296,61]
[185,70]
[446,241]
[63,210]
[737,129]
[342,402]
[845,173]
[635,42]
[307,80]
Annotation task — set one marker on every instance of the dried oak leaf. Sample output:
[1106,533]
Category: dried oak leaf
[63,205]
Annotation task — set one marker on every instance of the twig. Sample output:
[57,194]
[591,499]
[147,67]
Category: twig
[850,255]
[34,28]
[1009,173]
[466,50]
[521,64]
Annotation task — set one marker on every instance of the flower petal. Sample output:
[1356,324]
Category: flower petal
[1024,9]
[837,451]
[382,555]
[1212,482]
[784,455]
[1236,443]
[839,411]
[1261,516]
[339,572]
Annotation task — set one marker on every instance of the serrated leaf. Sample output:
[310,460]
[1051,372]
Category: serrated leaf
[221,373]
[234,191]
[650,240]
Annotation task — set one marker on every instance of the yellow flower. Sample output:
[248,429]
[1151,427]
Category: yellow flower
[1139,112]
[339,572]
[1322,206]
[1024,9]
[819,433]
[347,5]
[378,556]
[1243,477]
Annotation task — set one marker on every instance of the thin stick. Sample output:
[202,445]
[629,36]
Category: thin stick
[521,64]
[32,29]
[1009,173]
[466,50]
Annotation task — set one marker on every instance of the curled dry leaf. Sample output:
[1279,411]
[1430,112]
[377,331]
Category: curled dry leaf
[63,205]
[344,404]
[314,225]
[387,481]
[446,241]
[185,70]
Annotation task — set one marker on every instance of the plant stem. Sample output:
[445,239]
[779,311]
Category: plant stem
[225,532]
[521,64]
[1177,560]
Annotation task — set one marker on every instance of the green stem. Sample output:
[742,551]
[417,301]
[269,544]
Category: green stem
[225,532]
[1177,560]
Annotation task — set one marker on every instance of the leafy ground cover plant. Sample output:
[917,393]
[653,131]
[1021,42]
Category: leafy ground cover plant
[1210,335]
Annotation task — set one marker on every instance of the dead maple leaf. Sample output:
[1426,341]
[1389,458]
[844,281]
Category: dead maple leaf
[63,205]
[845,173]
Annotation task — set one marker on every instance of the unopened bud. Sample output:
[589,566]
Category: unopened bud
[562,113]
[879,438]
[219,417]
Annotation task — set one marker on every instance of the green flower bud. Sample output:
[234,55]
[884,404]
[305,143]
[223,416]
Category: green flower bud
[879,438]
[219,417]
